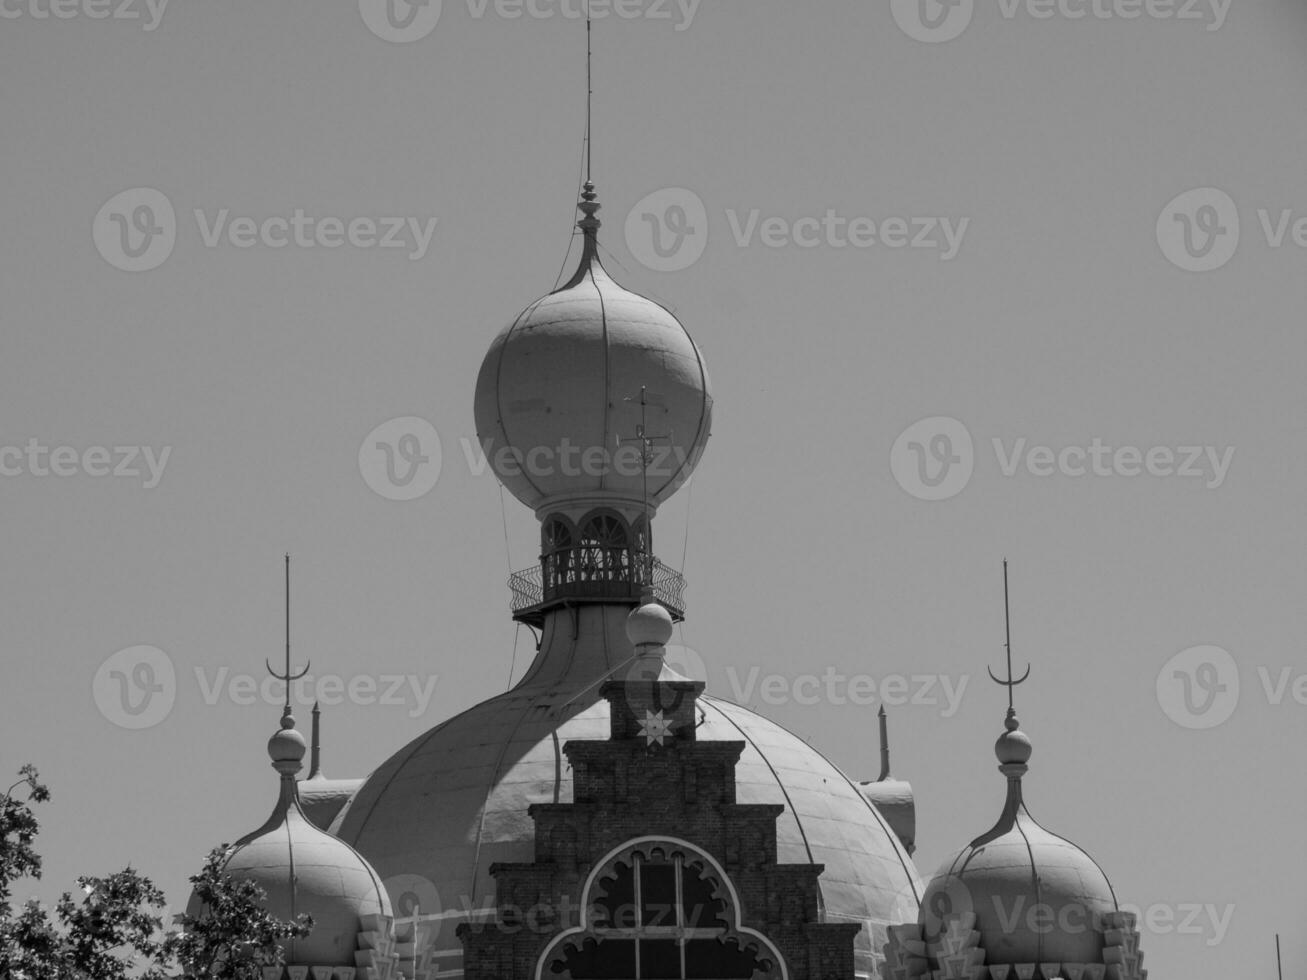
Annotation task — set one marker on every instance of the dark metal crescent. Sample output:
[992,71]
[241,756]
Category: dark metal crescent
[287,677]
[1020,680]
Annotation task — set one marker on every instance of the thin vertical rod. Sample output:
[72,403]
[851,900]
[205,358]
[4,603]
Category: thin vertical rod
[1279,968]
[1007,630]
[288,631]
[884,746]
[589,90]
[644,483]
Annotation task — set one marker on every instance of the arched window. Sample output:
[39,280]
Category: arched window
[555,535]
[556,539]
[604,551]
[660,910]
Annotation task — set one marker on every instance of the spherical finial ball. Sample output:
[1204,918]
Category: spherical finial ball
[1013,747]
[287,745]
[649,625]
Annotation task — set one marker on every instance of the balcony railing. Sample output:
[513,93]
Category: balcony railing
[593,574]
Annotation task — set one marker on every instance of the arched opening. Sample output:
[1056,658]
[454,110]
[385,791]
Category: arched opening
[603,553]
[557,539]
[660,910]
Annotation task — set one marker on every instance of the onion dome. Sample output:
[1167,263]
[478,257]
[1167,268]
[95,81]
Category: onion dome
[303,869]
[1018,901]
[559,396]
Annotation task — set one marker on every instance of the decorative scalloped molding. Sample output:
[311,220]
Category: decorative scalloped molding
[958,955]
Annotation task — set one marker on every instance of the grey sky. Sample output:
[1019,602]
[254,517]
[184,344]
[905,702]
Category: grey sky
[1059,321]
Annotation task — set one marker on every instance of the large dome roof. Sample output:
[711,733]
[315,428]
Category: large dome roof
[454,801]
[558,395]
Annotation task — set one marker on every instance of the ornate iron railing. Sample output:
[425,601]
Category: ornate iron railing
[594,573]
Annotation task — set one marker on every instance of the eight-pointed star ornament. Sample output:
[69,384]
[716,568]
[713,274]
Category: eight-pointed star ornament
[655,728]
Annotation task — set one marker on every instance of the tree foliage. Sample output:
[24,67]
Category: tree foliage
[115,930]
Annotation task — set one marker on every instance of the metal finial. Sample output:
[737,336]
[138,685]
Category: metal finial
[1007,626]
[287,676]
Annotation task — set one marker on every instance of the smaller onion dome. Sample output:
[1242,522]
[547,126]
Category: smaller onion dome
[303,869]
[1037,898]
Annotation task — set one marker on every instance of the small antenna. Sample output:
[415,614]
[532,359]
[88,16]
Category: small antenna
[287,676]
[646,442]
[1279,967]
[1007,628]
[315,747]
[884,746]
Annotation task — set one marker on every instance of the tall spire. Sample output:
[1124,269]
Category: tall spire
[1013,747]
[589,93]
[1007,645]
[589,205]
[286,675]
